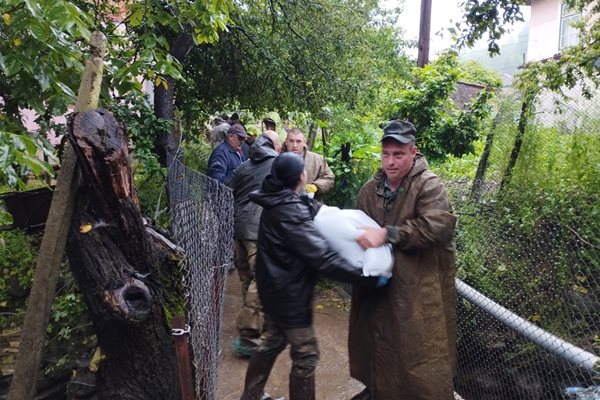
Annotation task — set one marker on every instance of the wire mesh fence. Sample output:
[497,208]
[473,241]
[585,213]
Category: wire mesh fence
[202,223]
[528,242]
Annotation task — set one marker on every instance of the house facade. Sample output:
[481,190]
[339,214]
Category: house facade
[550,29]
[550,32]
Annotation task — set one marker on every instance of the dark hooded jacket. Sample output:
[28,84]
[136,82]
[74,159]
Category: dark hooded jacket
[247,178]
[291,254]
[403,336]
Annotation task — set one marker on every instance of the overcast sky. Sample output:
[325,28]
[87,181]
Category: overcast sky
[444,14]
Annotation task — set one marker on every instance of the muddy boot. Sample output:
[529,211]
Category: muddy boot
[302,388]
[259,368]
[244,347]
[364,395]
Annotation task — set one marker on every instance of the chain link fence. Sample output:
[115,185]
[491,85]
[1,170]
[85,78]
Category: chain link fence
[202,223]
[528,243]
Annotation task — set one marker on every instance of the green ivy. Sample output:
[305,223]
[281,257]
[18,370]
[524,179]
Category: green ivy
[69,330]
[18,158]
[18,254]
[442,128]
[196,153]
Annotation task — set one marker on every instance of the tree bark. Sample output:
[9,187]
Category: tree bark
[485,156]
[117,266]
[165,144]
[312,134]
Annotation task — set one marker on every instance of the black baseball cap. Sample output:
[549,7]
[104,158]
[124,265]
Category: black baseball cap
[401,131]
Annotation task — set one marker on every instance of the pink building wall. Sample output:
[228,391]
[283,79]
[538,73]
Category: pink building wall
[28,119]
[544,29]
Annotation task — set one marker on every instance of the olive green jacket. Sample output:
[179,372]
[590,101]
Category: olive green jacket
[402,337]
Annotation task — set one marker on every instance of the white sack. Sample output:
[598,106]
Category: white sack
[341,228]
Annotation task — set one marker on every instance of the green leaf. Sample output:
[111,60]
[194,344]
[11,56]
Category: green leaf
[38,32]
[13,66]
[65,89]
[136,18]
[5,217]
[34,8]
[29,144]
[44,81]
[6,157]
[149,41]
[38,166]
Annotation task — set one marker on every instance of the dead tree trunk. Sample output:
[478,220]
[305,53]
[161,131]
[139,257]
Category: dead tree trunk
[485,156]
[118,268]
[527,107]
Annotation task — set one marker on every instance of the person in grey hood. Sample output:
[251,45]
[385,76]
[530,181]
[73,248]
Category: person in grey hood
[292,253]
[247,178]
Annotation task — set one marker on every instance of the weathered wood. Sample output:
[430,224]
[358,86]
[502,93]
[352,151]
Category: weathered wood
[527,107]
[485,156]
[117,266]
[52,249]
[184,361]
[424,33]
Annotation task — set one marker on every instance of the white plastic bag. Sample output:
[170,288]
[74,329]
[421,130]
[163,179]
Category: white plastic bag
[341,228]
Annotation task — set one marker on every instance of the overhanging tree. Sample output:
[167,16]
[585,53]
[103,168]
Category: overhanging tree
[442,128]
[294,56]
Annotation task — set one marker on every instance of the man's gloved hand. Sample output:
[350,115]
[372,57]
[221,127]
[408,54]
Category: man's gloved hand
[382,281]
[311,188]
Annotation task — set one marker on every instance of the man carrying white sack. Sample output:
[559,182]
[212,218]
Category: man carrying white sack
[402,339]
[341,228]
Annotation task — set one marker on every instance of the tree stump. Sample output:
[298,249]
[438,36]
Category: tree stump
[117,265]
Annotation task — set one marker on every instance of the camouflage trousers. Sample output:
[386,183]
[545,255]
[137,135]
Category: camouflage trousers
[250,319]
[304,349]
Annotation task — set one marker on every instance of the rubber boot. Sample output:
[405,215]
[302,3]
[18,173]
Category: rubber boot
[259,368]
[302,388]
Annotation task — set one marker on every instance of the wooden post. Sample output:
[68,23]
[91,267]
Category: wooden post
[424,32]
[39,304]
[184,362]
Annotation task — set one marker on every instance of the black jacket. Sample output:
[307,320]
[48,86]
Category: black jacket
[291,253]
[247,178]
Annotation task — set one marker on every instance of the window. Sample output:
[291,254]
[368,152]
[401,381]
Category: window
[569,36]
